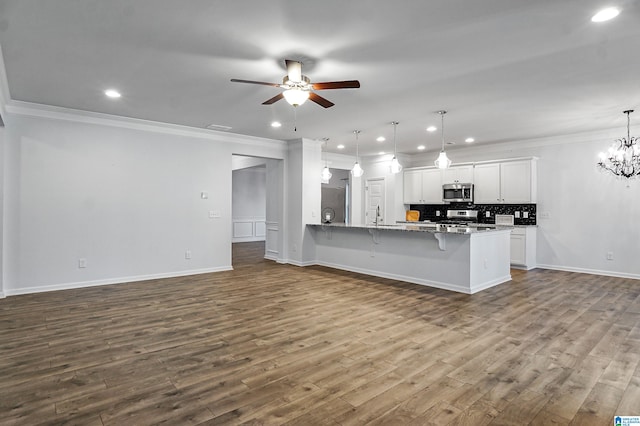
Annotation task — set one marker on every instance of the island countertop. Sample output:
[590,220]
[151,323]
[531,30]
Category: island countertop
[422,227]
[458,258]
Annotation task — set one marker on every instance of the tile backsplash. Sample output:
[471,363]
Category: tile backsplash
[429,211]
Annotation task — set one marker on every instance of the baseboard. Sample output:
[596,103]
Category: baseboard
[413,280]
[247,239]
[111,281]
[589,271]
[490,284]
[298,263]
[2,295]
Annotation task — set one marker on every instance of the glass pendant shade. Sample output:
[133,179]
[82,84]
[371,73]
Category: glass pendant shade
[296,97]
[443,161]
[326,175]
[357,171]
[395,167]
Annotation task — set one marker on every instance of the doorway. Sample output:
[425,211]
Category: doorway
[375,191]
[257,209]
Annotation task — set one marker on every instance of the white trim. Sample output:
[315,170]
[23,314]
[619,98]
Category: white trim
[2,295]
[298,263]
[110,281]
[66,114]
[5,95]
[590,271]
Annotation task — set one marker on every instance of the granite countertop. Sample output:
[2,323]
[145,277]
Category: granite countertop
[421,227]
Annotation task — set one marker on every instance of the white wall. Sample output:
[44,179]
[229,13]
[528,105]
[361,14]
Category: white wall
[127,198]
[249,204]
[303,204]
[2,168]
[590,213]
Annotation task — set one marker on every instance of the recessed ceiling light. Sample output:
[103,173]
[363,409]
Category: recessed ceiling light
[340,146]
[605,14]
[112,93]
[421,147]
[381,153]
[381,139]
[432,129]
[276,124]
[469,140]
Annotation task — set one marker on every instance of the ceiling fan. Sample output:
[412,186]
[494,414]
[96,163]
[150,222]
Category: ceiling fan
[298,88]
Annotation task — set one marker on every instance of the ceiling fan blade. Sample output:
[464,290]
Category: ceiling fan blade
[276,98]
[349,84]
[294,70]
[235,80]
[320,100]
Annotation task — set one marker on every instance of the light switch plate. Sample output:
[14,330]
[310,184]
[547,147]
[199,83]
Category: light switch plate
[525,215]
[516,215]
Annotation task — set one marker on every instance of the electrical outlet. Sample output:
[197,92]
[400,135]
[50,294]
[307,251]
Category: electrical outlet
[609,255]
[516,215]
[204,195]
[82,263]
[211,214]
[544,215]
[525,215]
[487,214]
[187,254]
[437,212]
[216,214]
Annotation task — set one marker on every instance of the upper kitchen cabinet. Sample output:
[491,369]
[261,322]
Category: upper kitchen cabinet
[458,174]
[422,186]
[509,182]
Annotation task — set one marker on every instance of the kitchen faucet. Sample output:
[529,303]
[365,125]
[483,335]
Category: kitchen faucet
[377,215]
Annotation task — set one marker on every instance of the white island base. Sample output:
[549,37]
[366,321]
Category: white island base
[462,262]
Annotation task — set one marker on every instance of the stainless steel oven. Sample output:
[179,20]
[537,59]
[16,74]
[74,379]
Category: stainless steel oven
[457,192]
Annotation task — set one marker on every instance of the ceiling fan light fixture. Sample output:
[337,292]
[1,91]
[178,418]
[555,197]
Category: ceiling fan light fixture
[295,96]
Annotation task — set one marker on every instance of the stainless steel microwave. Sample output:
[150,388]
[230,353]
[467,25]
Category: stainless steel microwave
[457,193]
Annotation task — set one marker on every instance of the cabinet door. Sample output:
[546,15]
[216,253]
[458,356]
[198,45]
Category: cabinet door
[518,249]
[432,186]
[515,182]
[412,191]
[486,178]
[459,174]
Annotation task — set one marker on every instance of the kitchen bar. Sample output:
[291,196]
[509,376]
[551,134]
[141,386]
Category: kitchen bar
[462,259]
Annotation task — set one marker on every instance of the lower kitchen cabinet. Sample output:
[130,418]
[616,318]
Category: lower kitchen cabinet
[523,247]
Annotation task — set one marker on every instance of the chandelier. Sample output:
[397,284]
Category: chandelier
[623,157]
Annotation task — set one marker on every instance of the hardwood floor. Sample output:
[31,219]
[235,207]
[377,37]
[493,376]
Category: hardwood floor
[278,344]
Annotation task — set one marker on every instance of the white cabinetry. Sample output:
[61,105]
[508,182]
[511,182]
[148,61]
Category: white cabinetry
[523,247]
[510,182]
[422,186]
[458,174]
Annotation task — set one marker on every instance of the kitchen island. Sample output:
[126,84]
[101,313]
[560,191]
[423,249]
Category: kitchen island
[462,259]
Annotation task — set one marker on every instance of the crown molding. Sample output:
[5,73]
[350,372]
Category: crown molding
[20,108]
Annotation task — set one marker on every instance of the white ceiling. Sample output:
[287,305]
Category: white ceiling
[504,69]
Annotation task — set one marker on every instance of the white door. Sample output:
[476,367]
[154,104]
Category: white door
[375,189]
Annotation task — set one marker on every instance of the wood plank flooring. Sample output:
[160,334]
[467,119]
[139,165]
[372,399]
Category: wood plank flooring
[278,344]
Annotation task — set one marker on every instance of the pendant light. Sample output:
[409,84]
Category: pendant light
[357,171]
[395,167]
[326,173]
[443,161]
